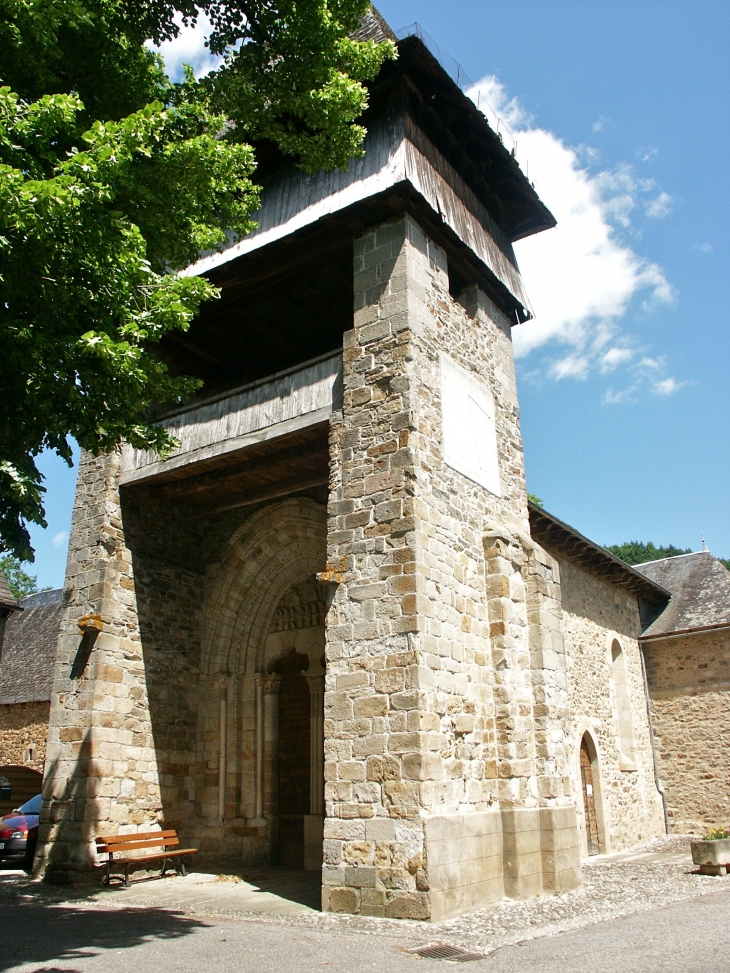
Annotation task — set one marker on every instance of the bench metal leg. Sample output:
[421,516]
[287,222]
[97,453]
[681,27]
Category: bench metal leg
[182,869]
[127,883]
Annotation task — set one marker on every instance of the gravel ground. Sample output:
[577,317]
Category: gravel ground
[653,875]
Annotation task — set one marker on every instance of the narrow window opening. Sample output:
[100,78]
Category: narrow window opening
[622,707]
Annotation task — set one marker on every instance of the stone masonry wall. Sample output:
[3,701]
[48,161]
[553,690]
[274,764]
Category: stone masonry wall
[689,685]
[23,725]
[101,770]
[595,613]
[135,723]
[425,714]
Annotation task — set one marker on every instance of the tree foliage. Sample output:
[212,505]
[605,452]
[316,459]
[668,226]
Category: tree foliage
[113,179]
[19,581]
[637,552]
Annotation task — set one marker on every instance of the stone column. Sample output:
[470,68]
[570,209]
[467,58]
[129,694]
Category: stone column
[259,684]
[271,687]
[223,681]
[314,821]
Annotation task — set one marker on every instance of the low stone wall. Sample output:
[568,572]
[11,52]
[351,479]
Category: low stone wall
[689,686]
[24,725]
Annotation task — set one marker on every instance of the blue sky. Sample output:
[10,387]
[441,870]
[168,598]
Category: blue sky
[620,115]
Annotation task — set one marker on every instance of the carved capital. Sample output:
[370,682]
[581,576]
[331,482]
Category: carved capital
[272,684]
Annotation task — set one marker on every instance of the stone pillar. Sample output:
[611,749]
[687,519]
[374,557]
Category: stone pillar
[314,821]
[271,687]
[259,684]
[431,773]
[223,681]
[517,786]
[559,836]
[101,770]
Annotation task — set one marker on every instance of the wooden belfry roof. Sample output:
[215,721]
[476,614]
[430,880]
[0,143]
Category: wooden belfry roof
[287,289]
[563,539]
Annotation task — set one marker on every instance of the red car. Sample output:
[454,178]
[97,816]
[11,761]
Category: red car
[19,834]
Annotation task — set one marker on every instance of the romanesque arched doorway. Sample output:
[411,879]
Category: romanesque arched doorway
[588,784]
[259,785]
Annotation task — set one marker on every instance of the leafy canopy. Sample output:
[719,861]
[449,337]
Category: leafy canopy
[112,179]
[19,581]
[636,552]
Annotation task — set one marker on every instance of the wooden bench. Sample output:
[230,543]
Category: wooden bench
[145,840]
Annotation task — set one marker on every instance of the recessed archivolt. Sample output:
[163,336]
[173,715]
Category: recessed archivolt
[279,546]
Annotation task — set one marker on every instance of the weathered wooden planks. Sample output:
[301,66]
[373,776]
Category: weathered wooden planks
[263,410]
[396,151]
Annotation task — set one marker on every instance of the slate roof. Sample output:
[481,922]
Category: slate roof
[29,649]
[373,27]
[700,588]
[7,598]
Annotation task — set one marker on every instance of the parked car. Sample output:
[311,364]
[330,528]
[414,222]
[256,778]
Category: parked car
[19,834]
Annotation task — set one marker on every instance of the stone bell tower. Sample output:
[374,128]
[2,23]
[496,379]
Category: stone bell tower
[374,457]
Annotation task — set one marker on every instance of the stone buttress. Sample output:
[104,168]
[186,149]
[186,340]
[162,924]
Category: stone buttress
[445,769]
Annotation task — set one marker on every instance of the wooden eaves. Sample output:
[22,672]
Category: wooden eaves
[557,536]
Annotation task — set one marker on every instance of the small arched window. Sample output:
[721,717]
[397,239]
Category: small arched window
[622,707]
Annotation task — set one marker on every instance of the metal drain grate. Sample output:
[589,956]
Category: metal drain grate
[443,951]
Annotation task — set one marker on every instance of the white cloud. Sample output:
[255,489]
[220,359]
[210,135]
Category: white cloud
[615,357]
[652,364]
[59,539]
[703,247]
[189,48]
[599,125]
[582,276]
[572,366]
[668,386]
[660,207]
[647,155]
[617,398]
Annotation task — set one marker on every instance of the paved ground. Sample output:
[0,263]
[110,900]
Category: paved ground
[641,912]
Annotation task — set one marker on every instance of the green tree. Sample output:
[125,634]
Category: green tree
[112,179]
[536,500]
[637,552]
[19,581]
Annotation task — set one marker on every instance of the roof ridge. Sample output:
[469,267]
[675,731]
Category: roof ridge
[673,557]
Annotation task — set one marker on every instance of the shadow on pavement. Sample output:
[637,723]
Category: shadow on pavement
[43,933]
[302,887]
[292,884]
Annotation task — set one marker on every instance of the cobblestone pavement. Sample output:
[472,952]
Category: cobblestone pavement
[656,874]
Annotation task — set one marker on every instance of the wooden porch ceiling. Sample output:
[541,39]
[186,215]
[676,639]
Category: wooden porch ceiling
[265,471]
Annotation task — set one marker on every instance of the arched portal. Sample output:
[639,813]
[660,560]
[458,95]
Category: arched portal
[261,698]
[588,785]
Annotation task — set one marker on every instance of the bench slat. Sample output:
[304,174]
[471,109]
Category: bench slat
[119,839]
[141,859]
[135,846]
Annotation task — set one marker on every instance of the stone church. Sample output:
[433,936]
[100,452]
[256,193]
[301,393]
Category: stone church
[329,631]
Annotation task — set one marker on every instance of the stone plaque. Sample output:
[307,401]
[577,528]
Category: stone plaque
[467,416]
